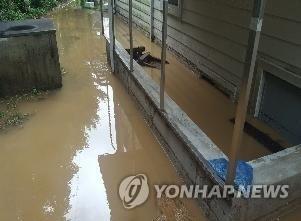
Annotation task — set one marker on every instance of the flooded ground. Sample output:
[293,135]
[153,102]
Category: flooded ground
[207,106]
[68,158]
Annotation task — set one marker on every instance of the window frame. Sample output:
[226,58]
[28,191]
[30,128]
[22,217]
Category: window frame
[173,9]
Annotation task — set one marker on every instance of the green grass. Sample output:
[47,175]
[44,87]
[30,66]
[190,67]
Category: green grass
[25,9]
[10,116]
[12,119]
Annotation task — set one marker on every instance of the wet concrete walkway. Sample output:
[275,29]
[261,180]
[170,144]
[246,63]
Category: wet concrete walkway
[68,159]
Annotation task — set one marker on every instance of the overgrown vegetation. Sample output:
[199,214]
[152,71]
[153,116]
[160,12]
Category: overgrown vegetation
[81,2]
[10,114]
[24,9]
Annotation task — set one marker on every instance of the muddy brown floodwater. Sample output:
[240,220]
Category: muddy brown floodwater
[68,159]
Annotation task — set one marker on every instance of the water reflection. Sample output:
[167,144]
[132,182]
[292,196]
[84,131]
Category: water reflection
[88,192]
[66,162]
[118,143]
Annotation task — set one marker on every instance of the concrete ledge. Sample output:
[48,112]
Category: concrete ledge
[277,167]
[38,26]
[190,149]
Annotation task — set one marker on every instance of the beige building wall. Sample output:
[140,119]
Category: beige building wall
[212,35]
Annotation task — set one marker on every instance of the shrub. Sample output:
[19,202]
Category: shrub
[22,9]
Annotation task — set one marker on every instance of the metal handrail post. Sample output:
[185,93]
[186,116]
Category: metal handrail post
[245,87]
[112,34]
[163,53]
[152,12]
[131,33]
[101,15]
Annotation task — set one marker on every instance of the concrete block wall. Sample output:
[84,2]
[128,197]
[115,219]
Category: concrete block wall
[29,60]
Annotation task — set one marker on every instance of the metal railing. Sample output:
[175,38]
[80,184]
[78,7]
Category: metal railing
[245,87]
[131,34]
[112,35]
[101,16]
[163,54]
